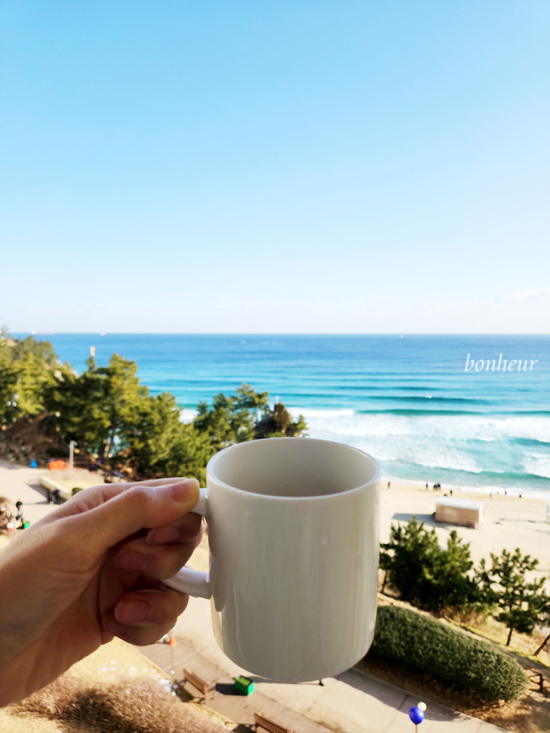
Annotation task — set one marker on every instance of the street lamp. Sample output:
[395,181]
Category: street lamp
[71,453]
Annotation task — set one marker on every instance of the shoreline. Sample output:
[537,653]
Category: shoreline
[471,492]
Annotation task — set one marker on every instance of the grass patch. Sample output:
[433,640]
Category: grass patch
[114,690]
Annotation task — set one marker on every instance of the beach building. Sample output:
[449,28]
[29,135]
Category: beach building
[459,511]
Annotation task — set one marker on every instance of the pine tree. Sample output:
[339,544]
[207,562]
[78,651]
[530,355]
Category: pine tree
[425,574]
[505,585]
[231,419]
[409,558]
[159,444]
[27,370]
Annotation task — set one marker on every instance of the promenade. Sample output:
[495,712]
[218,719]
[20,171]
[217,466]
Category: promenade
[19,483]
[353,702]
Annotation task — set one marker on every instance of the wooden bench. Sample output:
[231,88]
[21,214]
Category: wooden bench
[270,725]
[537,677]
[205,688]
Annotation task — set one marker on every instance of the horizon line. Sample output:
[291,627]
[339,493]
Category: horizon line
[400,334]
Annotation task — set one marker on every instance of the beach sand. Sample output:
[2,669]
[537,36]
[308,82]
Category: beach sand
[508,521]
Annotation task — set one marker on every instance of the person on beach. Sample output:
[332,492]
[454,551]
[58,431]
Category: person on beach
[89,571]
[19,516]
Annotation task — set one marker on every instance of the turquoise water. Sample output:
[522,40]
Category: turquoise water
[408,401]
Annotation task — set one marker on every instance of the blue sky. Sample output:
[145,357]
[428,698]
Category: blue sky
[337,166]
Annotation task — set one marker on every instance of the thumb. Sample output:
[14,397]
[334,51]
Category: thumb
[135,508]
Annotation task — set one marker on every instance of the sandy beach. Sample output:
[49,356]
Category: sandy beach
[508,521]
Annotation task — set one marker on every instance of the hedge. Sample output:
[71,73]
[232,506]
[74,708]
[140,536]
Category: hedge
[422,644]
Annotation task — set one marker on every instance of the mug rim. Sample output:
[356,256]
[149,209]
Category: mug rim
[230,487]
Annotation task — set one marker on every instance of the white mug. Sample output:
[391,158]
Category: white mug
[294,537]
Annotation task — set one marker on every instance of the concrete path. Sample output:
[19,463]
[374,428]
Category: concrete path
[235,707]
[23,484]
[353,702]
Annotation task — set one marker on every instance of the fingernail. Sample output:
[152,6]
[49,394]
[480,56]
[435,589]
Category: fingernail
[162,535]
[132,612]
[131,561]
[184,490]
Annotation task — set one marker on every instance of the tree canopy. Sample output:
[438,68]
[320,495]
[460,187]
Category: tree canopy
[113,417]
[27,369]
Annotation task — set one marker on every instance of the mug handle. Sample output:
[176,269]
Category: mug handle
[193,582]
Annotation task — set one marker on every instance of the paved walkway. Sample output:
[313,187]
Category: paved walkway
[353,702]
[225,700]
[23,484]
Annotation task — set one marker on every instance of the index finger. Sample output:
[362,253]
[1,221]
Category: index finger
[96,495]
[123,512]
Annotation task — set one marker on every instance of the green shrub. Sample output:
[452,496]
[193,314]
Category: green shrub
[427,575]
[422,644]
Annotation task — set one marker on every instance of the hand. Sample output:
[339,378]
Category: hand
[89,571]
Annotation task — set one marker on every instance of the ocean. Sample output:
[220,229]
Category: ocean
[449,409]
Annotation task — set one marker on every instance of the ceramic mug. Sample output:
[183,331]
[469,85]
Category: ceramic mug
[294,537]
